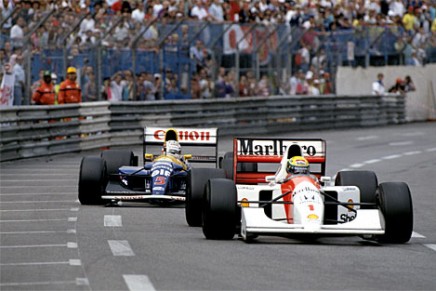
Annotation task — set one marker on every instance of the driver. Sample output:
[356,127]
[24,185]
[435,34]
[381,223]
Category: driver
[173,148]
[297,165]
[173,151]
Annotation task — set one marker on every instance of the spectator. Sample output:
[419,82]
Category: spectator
[158,86]
[106,89]
[45,93]
[90,92]
[378,88]
[38,82]
[69,90]
[229,86]
[117,85]
[220,84]
[17,33]
[263,87]
[149,89]
[196,53]
[20,76]
[398,87]
[206,85]
[313,87]
[138,13]
[408,84]
[128,90]
[216,11]
[243,86]
[195,87]
[200,12]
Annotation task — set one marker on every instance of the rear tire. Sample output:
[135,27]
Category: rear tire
[395,203]
[227,165]
[197,180]
[220,209]
[366,181]
[116,159]
[92,180]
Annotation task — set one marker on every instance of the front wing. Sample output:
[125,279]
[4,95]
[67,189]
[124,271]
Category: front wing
[255,222]
[116,192]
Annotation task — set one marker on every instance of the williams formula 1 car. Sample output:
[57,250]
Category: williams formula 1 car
[261,202]
[162,179]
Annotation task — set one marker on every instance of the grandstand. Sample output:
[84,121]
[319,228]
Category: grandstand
[185,43]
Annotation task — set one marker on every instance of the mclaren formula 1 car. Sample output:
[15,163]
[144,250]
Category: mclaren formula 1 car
[162,179]
[261,202]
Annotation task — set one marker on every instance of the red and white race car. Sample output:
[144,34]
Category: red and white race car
[256,201]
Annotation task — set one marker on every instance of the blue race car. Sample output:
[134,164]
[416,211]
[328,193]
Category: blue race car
[163,179]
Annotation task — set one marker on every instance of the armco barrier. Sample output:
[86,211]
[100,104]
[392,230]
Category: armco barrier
[32,131]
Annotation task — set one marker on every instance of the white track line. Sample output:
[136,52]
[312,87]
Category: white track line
[113,221]
[138,282]
[417,235]
[120,248]
[17,284]
[72,262]
[431,246]
[70,245]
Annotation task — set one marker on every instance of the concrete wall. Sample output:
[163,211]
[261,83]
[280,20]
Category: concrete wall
[420,105]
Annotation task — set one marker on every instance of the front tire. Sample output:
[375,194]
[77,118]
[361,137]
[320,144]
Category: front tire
[395,202]
[220,209]
[92,180]
[116,159]
[366,181]
[197,180]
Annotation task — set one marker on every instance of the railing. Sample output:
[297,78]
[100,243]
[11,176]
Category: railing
[32,131]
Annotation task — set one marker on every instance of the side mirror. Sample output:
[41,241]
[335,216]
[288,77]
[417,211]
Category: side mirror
[148,157]
[270,179]
[327,181]
[187,157]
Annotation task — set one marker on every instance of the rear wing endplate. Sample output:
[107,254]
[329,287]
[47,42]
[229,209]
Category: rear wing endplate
[206,138]
[265,150]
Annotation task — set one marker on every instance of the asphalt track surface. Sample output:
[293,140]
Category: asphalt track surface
[51,242]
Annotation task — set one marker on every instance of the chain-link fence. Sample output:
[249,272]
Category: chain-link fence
[187,55]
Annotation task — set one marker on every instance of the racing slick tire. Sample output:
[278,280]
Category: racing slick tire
[197,180]
[220,209]
[366,181]
[116,159]
[395,202]
[227,165]
[92,180]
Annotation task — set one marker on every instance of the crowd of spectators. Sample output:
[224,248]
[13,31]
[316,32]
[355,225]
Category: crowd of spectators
[414,22]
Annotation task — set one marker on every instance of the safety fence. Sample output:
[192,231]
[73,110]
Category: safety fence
[157,46]
[32,131]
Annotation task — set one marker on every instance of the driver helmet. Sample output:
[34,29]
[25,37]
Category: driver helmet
[172,148]
[297,165]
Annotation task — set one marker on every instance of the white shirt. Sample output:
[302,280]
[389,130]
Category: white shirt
[117,91]
[198,12]
[378,88]
[138,15]
[217,12]
[17,32]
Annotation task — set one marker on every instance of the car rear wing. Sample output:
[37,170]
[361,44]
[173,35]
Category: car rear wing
[270,151]
[191,139]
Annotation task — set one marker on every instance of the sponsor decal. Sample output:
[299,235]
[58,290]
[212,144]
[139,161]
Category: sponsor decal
[245,203]
[244,187]
[155,189]
[185,135]
[312,217]
[350,206]
[347,217]
[276,147]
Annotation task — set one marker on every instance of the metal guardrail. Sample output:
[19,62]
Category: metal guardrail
[32,131]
